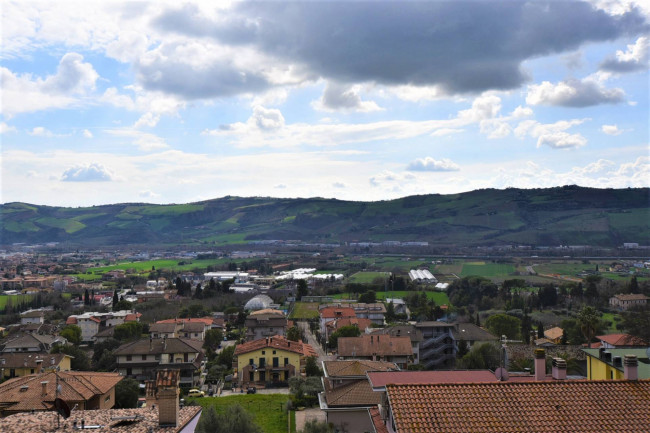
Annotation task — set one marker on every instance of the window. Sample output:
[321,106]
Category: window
[286,361]
[274,352]
[262,362]
[128,357]
[263,352]
[250,361]
[276,362]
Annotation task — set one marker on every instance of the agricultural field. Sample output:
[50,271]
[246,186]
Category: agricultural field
[304,311]
[488,270]
[439,297]
[267,409]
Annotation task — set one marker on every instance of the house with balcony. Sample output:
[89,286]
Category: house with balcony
[142,358]
[330,313]
[33,343]
[93,322]
[24,364]
[265,323]
[438,346]
[410,331]
[375,312]
[270,360]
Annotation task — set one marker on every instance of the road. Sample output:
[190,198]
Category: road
[311,339]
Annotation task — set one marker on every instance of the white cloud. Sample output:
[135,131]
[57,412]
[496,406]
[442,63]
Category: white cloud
[430,164]
[522,112]
[611,130]
[40,131]
[128,46]
[87,134]
[495,128]
[338,97]
[147,119]
[573,93]
[483,107]
[553,135]
[24,93]
[148,194]
[339,185]
[144,141]
[87,173]
[4,128]
[635,58]
[280,186]
[267,119]
[446,131]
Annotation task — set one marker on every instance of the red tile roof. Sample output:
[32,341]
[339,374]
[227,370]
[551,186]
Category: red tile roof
[355,393]
[620,340]
[276,342]
[558,406]
[379,379]
[370,345]
[377,422]
[337,312]
[206,320]
[107,420]
[356,367]
[360,323]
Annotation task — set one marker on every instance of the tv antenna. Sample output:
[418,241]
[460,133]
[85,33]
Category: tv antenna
[501,373]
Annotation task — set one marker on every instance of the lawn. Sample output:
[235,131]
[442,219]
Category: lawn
[267,409]
[15,300]
[367,277]
[304,311]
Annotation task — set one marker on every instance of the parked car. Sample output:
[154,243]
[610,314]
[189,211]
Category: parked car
[142,402]
[195,393]
[251,390]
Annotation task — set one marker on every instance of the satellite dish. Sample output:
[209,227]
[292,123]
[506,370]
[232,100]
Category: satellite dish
[62,408]
[501,374]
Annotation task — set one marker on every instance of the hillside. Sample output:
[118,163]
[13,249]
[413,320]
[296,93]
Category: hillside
[567,215]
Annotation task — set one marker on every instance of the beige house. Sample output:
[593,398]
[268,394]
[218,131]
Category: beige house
[626,301]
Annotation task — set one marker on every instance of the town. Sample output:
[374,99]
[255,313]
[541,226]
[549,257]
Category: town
[298,339]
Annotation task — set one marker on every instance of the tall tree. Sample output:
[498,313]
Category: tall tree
[302,289]
[633,287]
[116,299]
[636,322]
[504,324]
[588,319]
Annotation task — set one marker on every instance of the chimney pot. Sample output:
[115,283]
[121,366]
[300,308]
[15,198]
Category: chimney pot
[559,369]
[631,367]
[540,364]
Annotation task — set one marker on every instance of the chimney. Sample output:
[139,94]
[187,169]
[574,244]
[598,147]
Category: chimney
[540,364]
[618,362]
[559,369]
[44,387]
[168,395]
[631,367]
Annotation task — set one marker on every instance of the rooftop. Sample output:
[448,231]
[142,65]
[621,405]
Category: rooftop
[369,345]
[276,342]
[107,420]
[575,406]
[641,354]
[356,367]
[620,340]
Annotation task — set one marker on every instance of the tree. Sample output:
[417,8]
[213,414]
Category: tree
[302,289]
[481,357]
[126,394]
[311,367]
[636,322]
[540,330]
[128,331]
[213,338]
[72,333]
[343,331]
[234,420]
[633,287]
[588,319]
[198,293]
[123,304]
[315,426]
[369,297]
[390,313]
[463,348]
[294,334]
[79,361]
[86,297]
[504,324]
[225,356]
[116,299]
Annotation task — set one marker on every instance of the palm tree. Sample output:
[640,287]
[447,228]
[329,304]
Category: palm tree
[588,319]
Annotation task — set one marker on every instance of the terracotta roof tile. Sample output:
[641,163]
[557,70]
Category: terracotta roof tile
[337,312]
[380,379]
[620,340]
[107,420]
[377,421]
[369,345]
[276,342]
[356,367]
[356,393]
[508,407]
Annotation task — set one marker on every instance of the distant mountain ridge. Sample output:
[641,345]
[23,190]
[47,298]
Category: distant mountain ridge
[568,215]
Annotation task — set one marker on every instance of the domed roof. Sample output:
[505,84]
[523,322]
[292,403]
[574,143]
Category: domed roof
[258,302]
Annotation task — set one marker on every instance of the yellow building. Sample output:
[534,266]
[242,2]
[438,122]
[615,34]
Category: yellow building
[608,364]
[270,360]
[24,364]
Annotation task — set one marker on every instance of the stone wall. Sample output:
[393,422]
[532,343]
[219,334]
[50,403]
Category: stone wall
[522,351]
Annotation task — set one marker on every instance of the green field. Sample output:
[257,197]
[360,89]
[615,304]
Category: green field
[367,277]
[267,409]
[439,297]
[15,300]
[304,310]
[488,270]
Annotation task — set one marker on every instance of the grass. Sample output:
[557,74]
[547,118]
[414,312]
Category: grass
[267,410]
[489,270]
[15,300]
[367,277]
[613,318]
[439,297]
[304,310]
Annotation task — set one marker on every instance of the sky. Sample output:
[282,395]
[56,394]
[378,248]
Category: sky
[172,102]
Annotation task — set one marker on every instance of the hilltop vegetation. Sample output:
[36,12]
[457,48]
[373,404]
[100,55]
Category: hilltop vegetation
[567,215]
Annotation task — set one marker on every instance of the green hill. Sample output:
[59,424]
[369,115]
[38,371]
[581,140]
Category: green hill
[567,215]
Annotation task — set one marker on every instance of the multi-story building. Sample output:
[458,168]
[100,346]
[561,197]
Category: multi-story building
[626,301]
[142,358]
[265,323]
[438,346]
[617,364]
[23,364]
[377,348]
[92,322]
[271,359]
